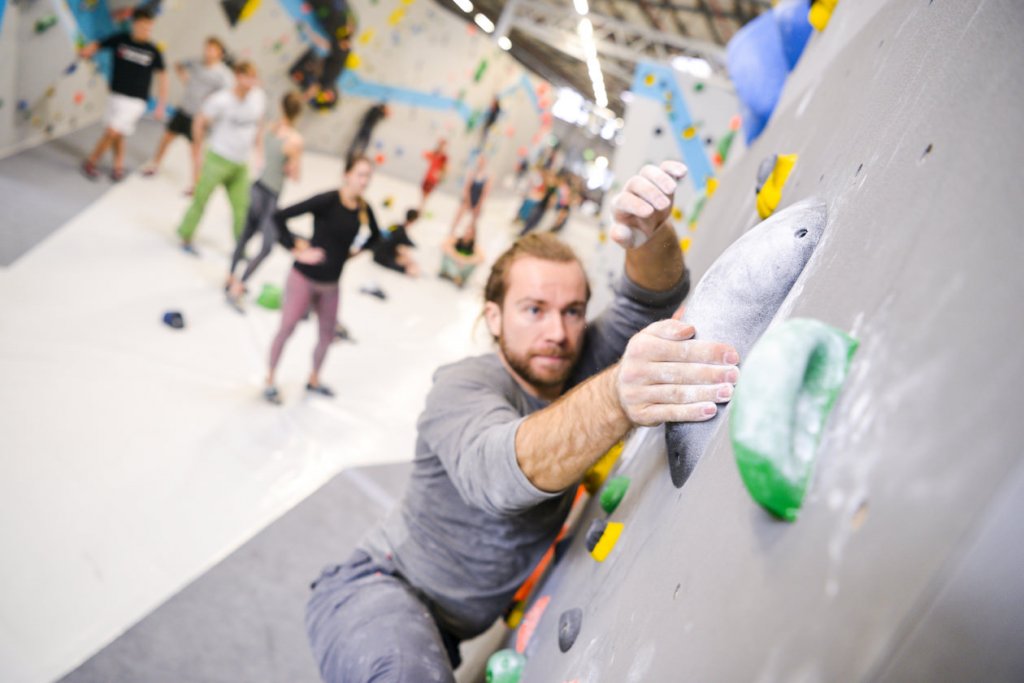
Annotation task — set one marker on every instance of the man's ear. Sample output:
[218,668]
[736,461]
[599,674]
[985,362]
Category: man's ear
[492,314]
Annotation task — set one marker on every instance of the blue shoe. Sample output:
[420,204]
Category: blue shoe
[272,395]
[320,389]
[189,249]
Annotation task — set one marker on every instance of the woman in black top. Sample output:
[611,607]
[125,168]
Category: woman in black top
[337,217]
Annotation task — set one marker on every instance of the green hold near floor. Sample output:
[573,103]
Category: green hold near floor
[270,297]
[505,666]
[790,380]
[613,493]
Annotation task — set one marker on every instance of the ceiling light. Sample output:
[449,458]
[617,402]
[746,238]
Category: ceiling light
[483,22]
[504,43]
[695,66]
[464,5]
[581,7]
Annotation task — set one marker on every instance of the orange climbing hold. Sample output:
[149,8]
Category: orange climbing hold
[530,622]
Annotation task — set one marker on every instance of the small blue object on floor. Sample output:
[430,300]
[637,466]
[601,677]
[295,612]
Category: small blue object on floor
[174,319]
[374,290]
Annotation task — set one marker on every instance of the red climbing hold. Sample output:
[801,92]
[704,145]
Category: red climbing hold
[530,622]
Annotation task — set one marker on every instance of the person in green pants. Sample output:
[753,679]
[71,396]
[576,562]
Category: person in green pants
[234,117]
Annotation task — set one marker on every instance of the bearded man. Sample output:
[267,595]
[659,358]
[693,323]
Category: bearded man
[505,437]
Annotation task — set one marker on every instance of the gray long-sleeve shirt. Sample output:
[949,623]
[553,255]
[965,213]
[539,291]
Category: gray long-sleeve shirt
[471,526]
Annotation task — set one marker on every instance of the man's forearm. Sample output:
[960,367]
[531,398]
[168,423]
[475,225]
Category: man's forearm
[658,263]
[555,446]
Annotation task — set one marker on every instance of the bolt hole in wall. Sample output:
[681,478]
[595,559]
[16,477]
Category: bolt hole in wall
[926,152]
[860,168]
[860,515]
[675,593]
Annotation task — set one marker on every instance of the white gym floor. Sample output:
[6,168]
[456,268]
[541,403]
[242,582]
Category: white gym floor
[136,456]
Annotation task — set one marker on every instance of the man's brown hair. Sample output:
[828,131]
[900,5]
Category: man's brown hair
[291,105]
[542,245]
[245,67]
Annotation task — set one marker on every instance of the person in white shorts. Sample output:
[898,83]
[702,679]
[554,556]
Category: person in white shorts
[135,60]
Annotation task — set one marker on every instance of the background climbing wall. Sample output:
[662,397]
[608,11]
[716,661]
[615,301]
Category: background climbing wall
[905,562]
[651,135]
[437,71]
[43,94]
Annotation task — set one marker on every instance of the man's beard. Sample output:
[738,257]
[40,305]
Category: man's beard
[521,365]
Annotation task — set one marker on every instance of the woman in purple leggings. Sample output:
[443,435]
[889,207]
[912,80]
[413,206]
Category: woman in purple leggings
[337,217]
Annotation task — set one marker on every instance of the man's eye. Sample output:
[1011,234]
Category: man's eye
[533,310]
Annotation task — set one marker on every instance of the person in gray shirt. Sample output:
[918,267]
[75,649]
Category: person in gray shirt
[201,79]
[505,437]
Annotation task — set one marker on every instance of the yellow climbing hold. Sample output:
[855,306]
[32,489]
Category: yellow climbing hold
[353,61]
[712,186]
[821,12]
[598,472]
[515,616]
[396,16]
[408,2]
[248,10]
[689,132]
[684,244]
[366,36]
[649,79]
[677,213]
[608,541]
[770,194]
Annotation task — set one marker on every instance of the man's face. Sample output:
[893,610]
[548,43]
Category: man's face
[142,29]
[245,81]
[541,324]
[212,53]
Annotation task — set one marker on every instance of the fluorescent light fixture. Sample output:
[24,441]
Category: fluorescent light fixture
[484,23]
[586,32]
[504,43]
[464,5]
[695,66]
[581,7]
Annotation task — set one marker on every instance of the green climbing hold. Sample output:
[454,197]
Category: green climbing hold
[698,86]
[46,23]
[613,492]
[724,144]
[790,380]
[480,69]
[270,297]
[505,666]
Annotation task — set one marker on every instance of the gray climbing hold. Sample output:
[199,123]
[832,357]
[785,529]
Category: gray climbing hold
[736,300]
[594,533]
[569,627]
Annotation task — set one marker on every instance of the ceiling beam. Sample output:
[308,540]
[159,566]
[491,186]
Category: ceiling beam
[614,38]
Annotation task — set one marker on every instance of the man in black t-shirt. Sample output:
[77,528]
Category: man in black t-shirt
[135,60]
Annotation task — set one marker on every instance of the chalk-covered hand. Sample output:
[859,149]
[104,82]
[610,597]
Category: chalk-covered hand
[668,376]
[645,203]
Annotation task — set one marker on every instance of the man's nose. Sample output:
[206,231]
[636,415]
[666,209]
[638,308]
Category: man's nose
[555,328]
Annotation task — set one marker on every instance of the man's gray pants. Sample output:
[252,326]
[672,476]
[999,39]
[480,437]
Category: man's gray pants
[366,624]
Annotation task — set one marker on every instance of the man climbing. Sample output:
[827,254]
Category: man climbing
[505,436]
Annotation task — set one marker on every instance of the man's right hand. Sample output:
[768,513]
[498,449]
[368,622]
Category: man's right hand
[645,203]
[88,50]
[666,375]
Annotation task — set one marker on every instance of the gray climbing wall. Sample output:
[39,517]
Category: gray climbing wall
[906,562]
[411,45]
